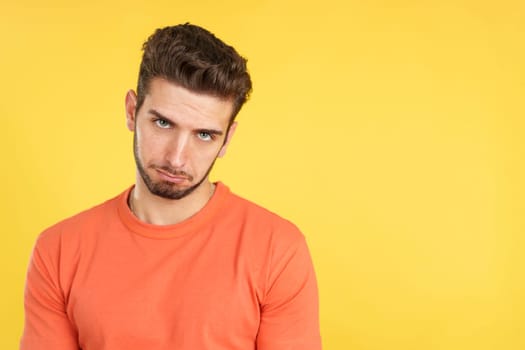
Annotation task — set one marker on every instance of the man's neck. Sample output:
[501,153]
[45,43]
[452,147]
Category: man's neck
[156,210]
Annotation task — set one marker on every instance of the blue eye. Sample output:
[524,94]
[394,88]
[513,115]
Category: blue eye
[162,123]
[204,136]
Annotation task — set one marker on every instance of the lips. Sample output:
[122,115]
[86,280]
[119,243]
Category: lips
[175,178]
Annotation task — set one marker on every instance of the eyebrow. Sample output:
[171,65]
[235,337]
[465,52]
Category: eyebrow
[161,116]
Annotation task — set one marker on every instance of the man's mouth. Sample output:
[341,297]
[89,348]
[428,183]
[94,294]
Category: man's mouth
[171,177]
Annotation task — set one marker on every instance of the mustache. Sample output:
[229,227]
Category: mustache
[174,172]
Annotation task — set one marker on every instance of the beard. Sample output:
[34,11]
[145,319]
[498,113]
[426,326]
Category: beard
[166,189]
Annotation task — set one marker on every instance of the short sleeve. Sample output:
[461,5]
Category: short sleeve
[46,326]
[290,309]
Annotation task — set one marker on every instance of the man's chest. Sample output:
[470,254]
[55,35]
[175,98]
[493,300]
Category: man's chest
[193,295]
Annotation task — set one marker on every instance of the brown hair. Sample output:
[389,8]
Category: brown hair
[192,57]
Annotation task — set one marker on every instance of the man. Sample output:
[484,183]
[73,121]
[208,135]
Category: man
[175,261]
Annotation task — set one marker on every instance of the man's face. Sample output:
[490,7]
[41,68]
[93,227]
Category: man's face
[178,136]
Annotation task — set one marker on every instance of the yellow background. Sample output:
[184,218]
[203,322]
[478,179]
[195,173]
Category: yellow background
[391,132]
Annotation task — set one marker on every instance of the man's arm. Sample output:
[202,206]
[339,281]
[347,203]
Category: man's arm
[47,326]
[290,310]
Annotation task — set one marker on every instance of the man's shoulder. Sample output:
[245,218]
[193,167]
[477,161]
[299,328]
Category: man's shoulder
[262,219]
[84,220]
[268,237]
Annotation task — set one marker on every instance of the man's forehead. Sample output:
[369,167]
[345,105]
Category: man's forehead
[167,97]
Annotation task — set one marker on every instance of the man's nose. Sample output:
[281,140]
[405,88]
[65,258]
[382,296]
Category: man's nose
[178,150]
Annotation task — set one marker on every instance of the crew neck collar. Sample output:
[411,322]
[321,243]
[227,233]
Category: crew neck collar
[188,226]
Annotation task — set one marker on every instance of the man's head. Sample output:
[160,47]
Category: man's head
[193,58]
[191,86]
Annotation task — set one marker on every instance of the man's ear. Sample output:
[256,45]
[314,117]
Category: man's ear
[131,104]
[231,131]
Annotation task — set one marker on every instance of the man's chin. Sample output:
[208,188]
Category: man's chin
[168,191]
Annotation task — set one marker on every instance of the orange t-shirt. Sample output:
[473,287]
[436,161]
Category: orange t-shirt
[233,276]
